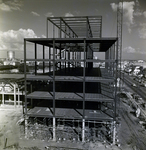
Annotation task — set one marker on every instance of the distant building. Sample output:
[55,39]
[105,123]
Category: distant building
[10,55]
[140,61]
[10,60]
[11,89]
[11,63]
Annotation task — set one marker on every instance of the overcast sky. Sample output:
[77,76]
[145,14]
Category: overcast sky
[27,18]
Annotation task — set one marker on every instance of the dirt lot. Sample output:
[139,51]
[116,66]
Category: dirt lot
[9,131]
[131,134]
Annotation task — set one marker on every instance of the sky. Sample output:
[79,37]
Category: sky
[21,19]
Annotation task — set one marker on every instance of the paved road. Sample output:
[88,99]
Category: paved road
[141,91]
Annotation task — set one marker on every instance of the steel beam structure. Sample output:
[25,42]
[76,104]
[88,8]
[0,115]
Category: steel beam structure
[82,26]
[73,84]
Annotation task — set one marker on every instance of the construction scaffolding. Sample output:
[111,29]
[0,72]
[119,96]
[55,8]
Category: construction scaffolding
[76,98]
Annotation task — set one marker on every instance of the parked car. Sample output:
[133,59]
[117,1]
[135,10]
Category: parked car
[137,79]
[143,84]
[128,70]
[134,85]
[137,98]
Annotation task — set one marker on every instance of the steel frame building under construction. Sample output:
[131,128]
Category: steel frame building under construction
[76,98]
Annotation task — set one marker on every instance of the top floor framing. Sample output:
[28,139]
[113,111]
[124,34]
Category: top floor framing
[74,27]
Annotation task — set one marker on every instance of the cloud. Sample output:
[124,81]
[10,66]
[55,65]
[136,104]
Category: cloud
[76,12]
[13,40]
[4,7]
[142,31]
[128,12]
[10,5]
[114,6]
[49,14]
[128,8]
[144,13]
[129,49]
[137,13]
[142,52]
[43,36]
[35,13]
[68,15]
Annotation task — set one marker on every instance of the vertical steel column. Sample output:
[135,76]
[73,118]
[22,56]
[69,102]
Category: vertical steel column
[106,62]
[49,59]
[25,80]
[83,120]
[60,56]
[114,132]
[83,130]
[115,98]
[108,52]
[68,29]
[60,35]
[43,59]
[69,59]
[53,31]
[35,59]
[26,127]
[31,98]
[101,28]
[55,59]
[65,58]
[47,27]
[18,98]
[113,60]
[87,37]
[73,57]
[65,32]
[26,121]
[109,59]
[60,43]
[114,56]
[87,27]
[3,97]
[54,121]
[79,58]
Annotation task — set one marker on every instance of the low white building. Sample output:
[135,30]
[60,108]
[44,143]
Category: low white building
[11,89]
[11,62]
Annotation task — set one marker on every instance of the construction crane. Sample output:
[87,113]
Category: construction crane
[119,35]
[118,56]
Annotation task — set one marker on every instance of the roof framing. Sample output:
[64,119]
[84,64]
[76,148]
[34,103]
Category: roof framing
[81,26]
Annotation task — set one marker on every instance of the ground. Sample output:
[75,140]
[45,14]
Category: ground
[131,134]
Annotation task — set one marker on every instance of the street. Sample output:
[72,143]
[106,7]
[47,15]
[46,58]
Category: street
[141,91]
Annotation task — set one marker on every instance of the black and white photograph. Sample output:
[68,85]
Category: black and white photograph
[72,74]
